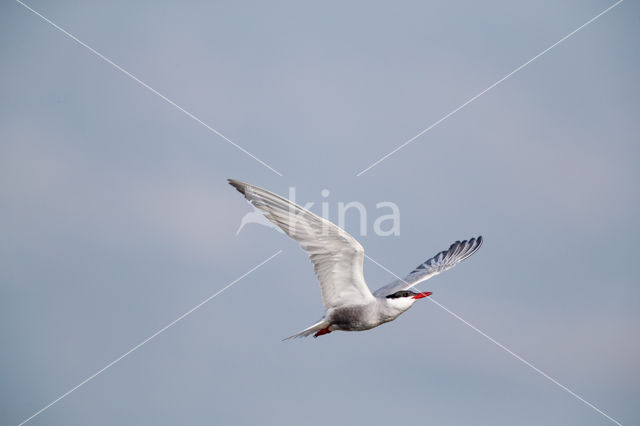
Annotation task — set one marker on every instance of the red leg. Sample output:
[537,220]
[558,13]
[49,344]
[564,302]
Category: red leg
[323,331]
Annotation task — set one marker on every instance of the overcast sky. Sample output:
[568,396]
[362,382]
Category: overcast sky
[116,218]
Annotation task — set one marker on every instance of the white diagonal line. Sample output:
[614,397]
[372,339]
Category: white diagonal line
[145,85]
[525,361]
[500,345]
[163,329]
[490,87]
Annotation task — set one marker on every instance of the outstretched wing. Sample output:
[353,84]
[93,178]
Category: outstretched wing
[441,262]
[336,255]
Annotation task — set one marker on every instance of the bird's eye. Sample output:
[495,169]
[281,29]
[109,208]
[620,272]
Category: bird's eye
[405,294]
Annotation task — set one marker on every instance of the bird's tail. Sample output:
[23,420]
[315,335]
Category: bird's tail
[310,330]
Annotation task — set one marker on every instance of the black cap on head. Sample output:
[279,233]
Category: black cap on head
[401,293]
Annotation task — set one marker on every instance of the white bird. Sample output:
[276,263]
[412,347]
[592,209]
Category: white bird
[338,261]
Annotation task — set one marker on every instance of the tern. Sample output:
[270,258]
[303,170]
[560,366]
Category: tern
[338,261]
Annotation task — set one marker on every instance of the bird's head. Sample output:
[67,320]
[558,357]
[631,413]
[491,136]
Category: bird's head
[404,299]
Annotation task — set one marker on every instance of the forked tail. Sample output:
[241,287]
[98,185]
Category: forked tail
[322,324]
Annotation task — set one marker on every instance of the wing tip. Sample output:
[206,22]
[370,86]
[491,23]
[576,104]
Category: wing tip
[240,186]
[473,245]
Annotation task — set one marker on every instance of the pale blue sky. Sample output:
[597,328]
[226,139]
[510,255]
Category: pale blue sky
[116,218]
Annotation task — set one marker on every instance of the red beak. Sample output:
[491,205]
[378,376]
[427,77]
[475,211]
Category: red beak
[421,295]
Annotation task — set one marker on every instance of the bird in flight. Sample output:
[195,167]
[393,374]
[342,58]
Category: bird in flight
[338,261]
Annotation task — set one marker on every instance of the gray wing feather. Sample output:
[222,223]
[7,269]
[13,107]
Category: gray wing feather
[336,256]
[443,261]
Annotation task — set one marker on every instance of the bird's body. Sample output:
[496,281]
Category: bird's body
[338,260]
[362,316]
[366,316]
